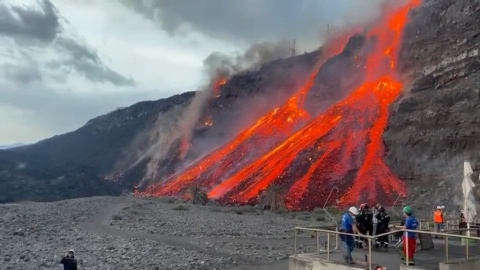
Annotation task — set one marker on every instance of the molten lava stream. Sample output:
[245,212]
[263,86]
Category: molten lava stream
[345,141]
[372,98]
[269,129]
[331,130]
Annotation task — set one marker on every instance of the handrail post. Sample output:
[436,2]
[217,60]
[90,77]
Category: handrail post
[369,253]
[295,243]
[328,246]
[467,242]
[318,240]
[446,249]
[406,247]
[336,238]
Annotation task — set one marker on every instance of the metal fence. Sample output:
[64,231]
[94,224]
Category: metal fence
[335,235]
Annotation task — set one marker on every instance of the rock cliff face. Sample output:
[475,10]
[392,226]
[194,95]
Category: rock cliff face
[435,127]
[432,129]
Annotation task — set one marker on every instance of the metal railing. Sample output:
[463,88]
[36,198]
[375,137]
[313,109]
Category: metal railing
[453,222]
[370,238]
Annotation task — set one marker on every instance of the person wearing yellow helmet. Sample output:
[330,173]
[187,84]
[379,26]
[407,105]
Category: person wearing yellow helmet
[408,237]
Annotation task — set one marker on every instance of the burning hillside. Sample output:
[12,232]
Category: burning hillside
[306,154]
[258,130]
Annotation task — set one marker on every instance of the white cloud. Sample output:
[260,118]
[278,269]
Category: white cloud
[134,45]
[62,69]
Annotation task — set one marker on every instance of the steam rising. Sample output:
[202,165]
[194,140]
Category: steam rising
[178,124]
[219,64]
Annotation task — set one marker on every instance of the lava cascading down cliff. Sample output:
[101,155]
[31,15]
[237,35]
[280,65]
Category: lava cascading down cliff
[308,156]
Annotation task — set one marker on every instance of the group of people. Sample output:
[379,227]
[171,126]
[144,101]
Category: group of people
[361,222]
[370,221]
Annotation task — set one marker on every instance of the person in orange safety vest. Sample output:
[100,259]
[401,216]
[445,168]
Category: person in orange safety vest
[438,219]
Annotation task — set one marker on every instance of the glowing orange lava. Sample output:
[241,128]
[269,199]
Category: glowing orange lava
[268,130]
[342,147]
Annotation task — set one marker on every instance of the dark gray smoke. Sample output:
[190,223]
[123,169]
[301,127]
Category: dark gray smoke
[248,21]
[220,65]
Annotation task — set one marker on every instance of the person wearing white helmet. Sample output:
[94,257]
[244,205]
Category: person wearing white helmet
[68,261]
[349,226]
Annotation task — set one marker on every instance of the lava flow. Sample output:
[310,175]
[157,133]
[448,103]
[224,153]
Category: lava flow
[342,147]
[268,130]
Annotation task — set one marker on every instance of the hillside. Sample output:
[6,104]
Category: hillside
[435,127]
[431,130]
[76,164]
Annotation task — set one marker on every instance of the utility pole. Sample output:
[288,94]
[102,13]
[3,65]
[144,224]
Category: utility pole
[293,48]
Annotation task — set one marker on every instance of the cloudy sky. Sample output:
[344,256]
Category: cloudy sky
[63,62]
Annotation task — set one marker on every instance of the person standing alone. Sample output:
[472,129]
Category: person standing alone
[438,220]
[68,261]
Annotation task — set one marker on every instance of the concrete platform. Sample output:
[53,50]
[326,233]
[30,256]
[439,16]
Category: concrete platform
[424,259]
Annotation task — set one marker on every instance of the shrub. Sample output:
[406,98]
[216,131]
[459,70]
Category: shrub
[197,195]
[117,217]
[180,207]
[305,217]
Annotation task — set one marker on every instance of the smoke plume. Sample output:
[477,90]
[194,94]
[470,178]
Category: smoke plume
[177,125]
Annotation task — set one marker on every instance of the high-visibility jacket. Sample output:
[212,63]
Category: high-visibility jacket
[437,216]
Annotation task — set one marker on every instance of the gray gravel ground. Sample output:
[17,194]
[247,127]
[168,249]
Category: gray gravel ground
[144,233]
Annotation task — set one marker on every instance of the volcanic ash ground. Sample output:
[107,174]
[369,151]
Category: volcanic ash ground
[146,233]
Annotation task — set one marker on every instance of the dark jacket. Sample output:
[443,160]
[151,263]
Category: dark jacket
[364,218]
[383,220]
[69,263]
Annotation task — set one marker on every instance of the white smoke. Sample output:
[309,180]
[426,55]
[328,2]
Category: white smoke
[180,123]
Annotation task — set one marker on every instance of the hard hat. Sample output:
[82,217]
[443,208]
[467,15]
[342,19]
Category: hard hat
[71,251]
[407,209]
[353,210]
[439,207]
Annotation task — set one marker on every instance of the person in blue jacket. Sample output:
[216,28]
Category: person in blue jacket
[409,238]
[349,225]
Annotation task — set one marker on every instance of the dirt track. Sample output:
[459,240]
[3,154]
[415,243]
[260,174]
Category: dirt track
[141,233]
[99,224]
